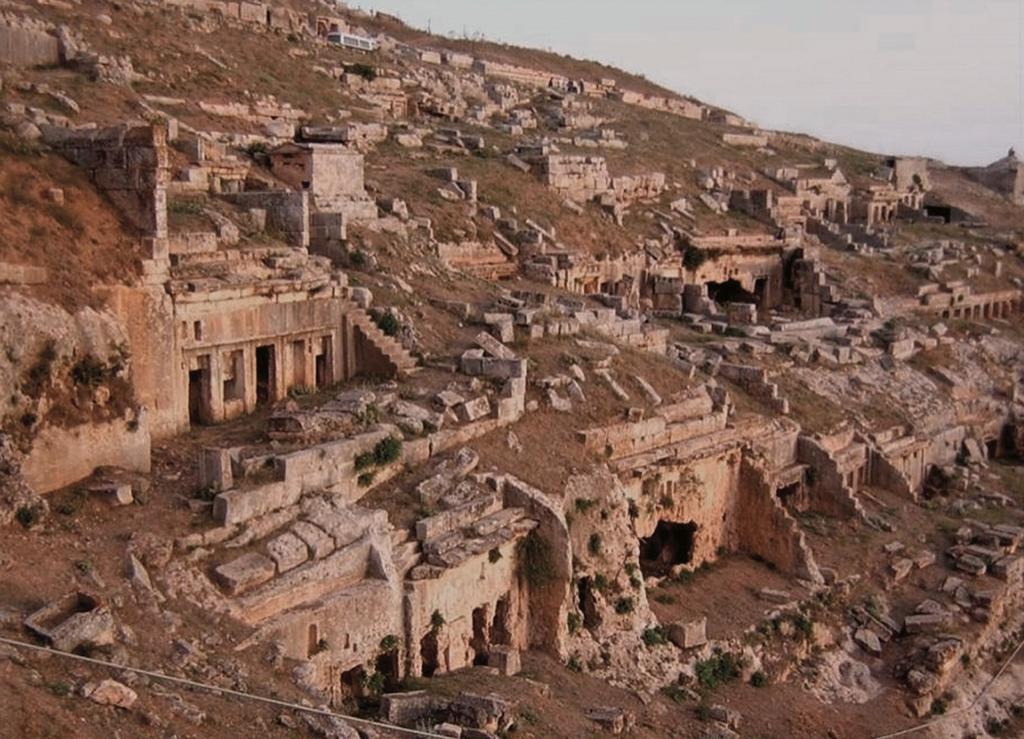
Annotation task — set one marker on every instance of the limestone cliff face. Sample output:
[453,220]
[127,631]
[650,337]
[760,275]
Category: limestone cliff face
[609,612]
[70,393]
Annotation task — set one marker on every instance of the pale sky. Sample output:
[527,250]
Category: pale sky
[935,77]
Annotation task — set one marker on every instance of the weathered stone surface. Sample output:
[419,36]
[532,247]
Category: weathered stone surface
[244,573]
[110,693]
[689,634]
[288,551]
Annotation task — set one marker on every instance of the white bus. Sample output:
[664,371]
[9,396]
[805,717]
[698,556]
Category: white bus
[350,41]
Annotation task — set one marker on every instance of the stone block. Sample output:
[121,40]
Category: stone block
[505,659]
[689,634]
[244,573]
[475,409]
[319,543]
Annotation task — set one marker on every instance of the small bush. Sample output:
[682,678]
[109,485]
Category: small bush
[674,693]
[389,643]
[666,599]
[387,323]
[716,670]
[693,258]
[375,683]
[594,544]
[88,372]
[365,479]
[939,706]
[759,679]
[436,621]
[574,664]
[624,605]
[387,451]
[365,71]
[535,560]
[585,504]
[27,516]
[703,712]
[494,555]
[574,621]
[634,511]
[654,636]
[357,259]
[364,461]
[60,689]
[804,625]
[600,582]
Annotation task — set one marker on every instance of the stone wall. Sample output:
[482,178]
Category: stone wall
[578,178]
[287,212]
[128,163]
[25,46]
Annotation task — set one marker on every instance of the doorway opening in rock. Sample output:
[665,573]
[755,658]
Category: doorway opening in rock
[480,643]
[199,393]
[730,291]
[265,380]
[789,494]
[352,681]
[671,544]
[1010,448]
[312,640]
[429,654]
[501,626]
[322,363]
[588,603]
[992,448]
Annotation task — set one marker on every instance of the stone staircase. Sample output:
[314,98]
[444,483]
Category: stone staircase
[389,352]
[406,551]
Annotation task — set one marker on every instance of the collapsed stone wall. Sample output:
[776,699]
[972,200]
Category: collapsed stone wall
[578,178]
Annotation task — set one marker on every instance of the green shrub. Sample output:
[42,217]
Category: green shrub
[585,504]
[88,371]
[703,711]
[759,679]
[365,71]
[535,560]
[60,689]
[666,599]
[804,625]
[574,664]
[939,706]
[387,450]
[365,480]
[716,670]
[594,544]
[574,621]
[389,643]
[674,693]
[364,460]
[375,683]
[436,621]
[693,258]
[624,605]
[654,636]
[600,582]
[387,323]
[357,258]
[27,516]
